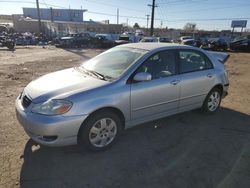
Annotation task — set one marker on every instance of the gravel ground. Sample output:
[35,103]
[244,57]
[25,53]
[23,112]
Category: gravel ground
[188,150]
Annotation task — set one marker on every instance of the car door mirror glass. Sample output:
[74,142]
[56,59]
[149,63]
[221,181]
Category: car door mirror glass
[142,76]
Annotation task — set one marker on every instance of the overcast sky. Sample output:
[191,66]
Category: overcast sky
[207,14]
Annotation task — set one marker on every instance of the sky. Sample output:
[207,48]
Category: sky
[207,14]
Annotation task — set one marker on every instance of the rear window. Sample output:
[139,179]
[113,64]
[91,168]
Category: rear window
[191,61]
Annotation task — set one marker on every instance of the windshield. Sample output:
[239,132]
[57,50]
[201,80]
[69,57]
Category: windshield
[114,62]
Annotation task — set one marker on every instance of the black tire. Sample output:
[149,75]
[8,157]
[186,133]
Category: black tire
[84,132]
[11,46]
[206,108]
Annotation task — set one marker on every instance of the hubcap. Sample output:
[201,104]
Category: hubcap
[213,101]
[103,132]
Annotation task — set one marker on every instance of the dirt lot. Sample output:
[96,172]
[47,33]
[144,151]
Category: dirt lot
[189,150]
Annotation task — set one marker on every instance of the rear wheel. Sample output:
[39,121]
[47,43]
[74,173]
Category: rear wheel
[212,101]
[100,131]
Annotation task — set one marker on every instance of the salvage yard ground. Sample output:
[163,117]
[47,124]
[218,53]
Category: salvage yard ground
[189,150]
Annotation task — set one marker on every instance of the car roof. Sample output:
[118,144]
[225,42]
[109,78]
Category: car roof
[187,40]
[102,34]
[153,46]
[148,38]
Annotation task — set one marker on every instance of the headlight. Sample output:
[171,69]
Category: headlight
[52,107]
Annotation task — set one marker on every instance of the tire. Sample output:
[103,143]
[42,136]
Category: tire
[212,101]
[11,46]
[100,131]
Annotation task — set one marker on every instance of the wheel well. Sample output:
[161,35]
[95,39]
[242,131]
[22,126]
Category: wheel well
[219,86]
[114,110]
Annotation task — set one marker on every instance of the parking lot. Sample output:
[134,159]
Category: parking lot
[188,150]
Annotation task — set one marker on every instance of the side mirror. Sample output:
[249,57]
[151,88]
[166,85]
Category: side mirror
[142,76]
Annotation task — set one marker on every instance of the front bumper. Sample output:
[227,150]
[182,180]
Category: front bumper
[49,130]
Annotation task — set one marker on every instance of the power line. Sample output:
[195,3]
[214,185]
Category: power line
[178,2]
[30,2]
[135,17]
[210,19]
[115,15]
[163,16]
[209,9]
[45,4]
[113,5]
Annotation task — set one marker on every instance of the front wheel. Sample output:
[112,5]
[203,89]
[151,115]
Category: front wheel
[100,131]
[212,101]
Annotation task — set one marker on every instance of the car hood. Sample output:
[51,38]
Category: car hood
[61,84]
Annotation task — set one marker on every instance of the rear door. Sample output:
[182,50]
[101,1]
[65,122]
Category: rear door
[197,77]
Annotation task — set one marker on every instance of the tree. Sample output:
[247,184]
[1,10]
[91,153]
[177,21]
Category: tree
[190,27]
[136,26]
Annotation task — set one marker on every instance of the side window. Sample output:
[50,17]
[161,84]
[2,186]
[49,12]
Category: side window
[160,65]
[209,65]
[191,61]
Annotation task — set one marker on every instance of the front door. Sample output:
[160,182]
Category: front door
[159,96]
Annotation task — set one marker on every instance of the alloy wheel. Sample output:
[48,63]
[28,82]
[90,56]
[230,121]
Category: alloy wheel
[213,101]
[103,132]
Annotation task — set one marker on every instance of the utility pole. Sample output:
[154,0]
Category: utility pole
[147,21]
[51,14]
[117,15]
[39,17]
[152,18]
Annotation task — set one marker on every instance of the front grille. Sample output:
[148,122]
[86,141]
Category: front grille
[26,101]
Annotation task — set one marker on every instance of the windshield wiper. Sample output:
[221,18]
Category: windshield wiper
[83,70]
[96,74]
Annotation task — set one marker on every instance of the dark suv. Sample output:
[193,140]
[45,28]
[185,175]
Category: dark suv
[75,40]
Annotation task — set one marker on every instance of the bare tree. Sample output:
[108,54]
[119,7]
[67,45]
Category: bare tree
[136,26]
[190,27]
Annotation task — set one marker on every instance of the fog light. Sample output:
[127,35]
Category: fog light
[48,138]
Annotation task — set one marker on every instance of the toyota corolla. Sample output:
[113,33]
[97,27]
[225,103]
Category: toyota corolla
[125,86]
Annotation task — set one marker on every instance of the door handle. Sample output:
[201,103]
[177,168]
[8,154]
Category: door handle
[175,82]
[209,75]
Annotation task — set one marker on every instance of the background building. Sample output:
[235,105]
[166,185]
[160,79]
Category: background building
[60,28]
[68,15]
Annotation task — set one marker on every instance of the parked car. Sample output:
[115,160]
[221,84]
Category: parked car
[122,87]
[241,43]
[217,44]
[164,39]
[185,38]
[103,41]
[149,39]
[7,42]
[123,39]
[191,42]
[75,40]
[27,38]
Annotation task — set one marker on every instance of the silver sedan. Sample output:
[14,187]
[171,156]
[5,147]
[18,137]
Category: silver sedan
[118,89]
